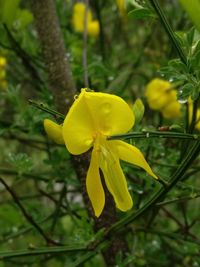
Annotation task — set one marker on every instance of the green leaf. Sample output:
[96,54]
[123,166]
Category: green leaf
[10,218]
[193,9]
[195,93]
[8,11]
[23,18]
[185,91]
[138,110]
[21,162]
[141,13]
[190,36]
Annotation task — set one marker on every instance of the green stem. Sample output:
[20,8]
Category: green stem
[159,196]
[177,200]
[9,171]
[173,236]
[153,134]
[39,251]
[46,109]
[86,256]
[168,30]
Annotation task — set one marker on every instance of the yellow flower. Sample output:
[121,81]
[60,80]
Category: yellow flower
[3,82]
[2,74]
[78,20]
[91,119]
[172,110]
[190,110]
[160,96]
[2,61]
[54,131]
[121,7]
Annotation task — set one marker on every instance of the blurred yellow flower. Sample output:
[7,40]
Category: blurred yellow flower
[3,82]
[3,61]
[78,20]
[121,5]
[92,118]
[160,96]
[190,110]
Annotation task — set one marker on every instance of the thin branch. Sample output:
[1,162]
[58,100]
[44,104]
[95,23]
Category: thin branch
[85,35]
[155,134]
[168,30]
[161,193]
[42,251]
[177,200]
[46,109]
[28,217]
[58,207]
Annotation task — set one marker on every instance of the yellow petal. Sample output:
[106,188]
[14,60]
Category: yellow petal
[78,127]
[115,180]
[3,61]
[94,185]
[93,28]
[54,131]
[121,4]
[110,113]
[172,110]
[93,113]
[2,73]
[78,16]
[159,94]
[132,155]
[190,110]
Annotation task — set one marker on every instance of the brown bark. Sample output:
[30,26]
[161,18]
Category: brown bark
[63,90]
[52,44]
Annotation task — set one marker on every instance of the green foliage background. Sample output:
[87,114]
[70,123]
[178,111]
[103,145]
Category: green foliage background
[133,50]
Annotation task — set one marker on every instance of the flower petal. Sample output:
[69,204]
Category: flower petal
[172,110]
[94,185]
[78,16]
[93,28]
[132,155]
[54,131]
[78,127]
[116,181]
[110,113]
[159,94]
[93,113]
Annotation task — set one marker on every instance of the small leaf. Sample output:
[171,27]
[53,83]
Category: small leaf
[176,128]
[8,12]
[23,18]
[138,110]
[193,10]
[190,36]
[141,13]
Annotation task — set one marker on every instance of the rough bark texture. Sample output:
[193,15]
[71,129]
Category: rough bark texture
[52,44]
[63,90]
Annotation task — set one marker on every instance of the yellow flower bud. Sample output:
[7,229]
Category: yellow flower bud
[78,18]
[54,131]
[160,96]
[3,61]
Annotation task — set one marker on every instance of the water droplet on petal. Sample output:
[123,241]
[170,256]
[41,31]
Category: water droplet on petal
[106,108]
[75,97]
